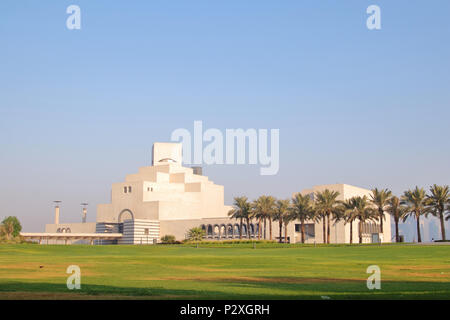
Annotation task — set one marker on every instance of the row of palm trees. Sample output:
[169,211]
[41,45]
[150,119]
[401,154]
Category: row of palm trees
[324,206]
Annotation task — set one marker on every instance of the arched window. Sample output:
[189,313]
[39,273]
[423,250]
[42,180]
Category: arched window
[244,230]
[125,214]
[210,231]
[223,231]
[216,231]
[230,231]
[236,230]
[167,160]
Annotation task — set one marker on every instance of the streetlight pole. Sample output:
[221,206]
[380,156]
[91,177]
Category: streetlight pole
[57,202]
[84,212]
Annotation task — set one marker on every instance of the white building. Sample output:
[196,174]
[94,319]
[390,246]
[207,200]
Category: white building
[340,231]
[169,199]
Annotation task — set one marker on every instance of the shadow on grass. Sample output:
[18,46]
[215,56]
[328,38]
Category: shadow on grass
[265,288]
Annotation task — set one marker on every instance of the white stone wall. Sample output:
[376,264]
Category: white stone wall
[140,231]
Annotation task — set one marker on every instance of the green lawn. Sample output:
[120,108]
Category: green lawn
[224,272]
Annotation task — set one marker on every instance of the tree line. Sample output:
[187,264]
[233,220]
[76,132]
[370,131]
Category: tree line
[325,207]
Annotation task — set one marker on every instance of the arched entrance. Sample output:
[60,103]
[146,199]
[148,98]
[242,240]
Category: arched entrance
[125,214]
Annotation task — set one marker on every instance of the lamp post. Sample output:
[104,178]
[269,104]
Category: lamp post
[84,212]
[57,202]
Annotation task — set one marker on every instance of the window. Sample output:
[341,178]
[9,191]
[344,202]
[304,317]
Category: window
[125,189]
[129,189]
[309,229]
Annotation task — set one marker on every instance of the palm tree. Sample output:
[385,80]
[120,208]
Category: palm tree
[302,210]
[327,206]
[281,212]
[270,214]
[256,213]
[350,214]
[241,211]
[263,208]
[437,203]
[379,198]
[248,217]
[196,234]
[416,203]
[364,212]
[397,211]
[320,216]
[286,219]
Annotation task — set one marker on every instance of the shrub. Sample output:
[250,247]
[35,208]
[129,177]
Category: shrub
[231,242]
[168,239]
[196,234]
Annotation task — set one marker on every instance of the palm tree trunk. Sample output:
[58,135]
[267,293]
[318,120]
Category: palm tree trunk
[419,238]
[265,228]
[280,225]
[441,217]
[324,230]
[360,231]
[285,232]
[248,228]
[240,228]
[351,232]
[381,220]
[328,228]
[259,229]
[270,229]
[303,230]
[397,237]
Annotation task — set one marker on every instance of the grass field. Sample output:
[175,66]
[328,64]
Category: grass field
[270,271]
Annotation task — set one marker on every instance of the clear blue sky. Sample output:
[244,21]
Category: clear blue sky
[80,109]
